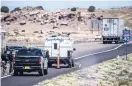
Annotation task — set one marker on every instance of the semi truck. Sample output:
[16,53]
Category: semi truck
[112,30]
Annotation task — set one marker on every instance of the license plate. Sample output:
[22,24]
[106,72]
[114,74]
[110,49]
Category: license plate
[27,67]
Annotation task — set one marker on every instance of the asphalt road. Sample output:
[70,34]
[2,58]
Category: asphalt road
[32,79]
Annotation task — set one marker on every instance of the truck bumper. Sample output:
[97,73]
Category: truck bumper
[62,60]
[28,69]
[111,38]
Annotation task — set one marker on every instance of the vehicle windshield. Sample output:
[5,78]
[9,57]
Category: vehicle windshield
[29,52]
[15,47]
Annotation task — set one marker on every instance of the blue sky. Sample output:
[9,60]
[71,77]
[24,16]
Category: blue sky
[54,5]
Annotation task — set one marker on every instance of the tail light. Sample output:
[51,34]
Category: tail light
[40,60]
[14,59]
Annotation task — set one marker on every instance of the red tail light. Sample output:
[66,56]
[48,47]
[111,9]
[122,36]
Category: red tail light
[14,59]
[40,60]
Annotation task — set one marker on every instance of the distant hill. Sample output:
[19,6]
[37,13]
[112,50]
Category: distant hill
[37,23]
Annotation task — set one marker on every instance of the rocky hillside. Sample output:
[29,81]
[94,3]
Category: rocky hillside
[32,24]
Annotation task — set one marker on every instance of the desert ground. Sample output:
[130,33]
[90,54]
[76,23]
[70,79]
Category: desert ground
[34,25]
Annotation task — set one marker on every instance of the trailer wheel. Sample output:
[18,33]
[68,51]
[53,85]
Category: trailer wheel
[104,42]
[21,73]
[49,64]
[109,42]
[116,42]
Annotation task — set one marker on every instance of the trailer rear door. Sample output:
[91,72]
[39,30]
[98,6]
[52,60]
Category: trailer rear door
[55,48]
[114,27]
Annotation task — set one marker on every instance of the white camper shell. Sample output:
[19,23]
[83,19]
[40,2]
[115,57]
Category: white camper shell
[59,46]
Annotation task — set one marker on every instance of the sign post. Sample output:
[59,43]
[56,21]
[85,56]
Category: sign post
[126,37]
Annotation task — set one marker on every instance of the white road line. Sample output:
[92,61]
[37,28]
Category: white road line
[99,52]
[5,76]
[84,56]
[118,46]
[79,65]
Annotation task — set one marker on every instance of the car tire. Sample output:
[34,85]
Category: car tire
[116,42]
[15,73]
[110,42]
[49,64]
[104,42]
[21,73]
[45,71]
[41,72]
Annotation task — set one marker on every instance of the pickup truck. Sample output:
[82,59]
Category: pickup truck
[30,59]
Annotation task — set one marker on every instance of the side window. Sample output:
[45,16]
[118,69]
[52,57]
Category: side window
[55,45]
[38,53]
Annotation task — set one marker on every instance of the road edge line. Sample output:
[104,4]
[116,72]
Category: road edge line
[5,76]
[99,52]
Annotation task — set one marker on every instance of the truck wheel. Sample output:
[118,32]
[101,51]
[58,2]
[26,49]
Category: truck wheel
[21,73]
[109,42]
[104,42]
[45,71]
[41,72]
[116,42]
[15,73]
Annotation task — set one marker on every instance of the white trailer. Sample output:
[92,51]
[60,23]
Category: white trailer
[62,47]
[112,30]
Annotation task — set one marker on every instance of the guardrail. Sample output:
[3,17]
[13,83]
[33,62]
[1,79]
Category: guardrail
[86,41]
[29,44]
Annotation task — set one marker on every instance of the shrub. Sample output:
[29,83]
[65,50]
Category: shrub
[41,32]
[73,9]
[17,9]
[35,32]
[91,9]
[22,23]
[127,24]
[5,9]
[23,30]
[39,7]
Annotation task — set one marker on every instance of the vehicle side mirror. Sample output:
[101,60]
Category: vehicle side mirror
[74,49]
